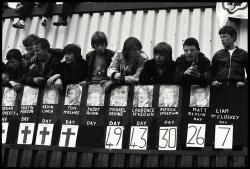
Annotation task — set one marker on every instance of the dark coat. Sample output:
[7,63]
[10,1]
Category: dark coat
[222,64]
[72,74]
[149,74]
[36,70]
[204,68]
[90,57]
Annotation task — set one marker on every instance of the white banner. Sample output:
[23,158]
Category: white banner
[224,10]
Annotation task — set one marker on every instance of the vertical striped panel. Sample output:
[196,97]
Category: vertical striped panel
[150,27]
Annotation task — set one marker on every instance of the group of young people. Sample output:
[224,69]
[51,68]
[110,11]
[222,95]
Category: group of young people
[43,65]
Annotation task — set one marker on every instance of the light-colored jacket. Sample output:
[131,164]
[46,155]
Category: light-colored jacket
[132,67]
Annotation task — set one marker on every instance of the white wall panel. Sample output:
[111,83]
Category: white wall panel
[150,27]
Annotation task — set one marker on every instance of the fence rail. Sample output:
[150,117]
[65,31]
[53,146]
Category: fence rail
[34,156]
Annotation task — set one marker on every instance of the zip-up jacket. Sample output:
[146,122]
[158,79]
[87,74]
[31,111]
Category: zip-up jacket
[204,68]
[229,69]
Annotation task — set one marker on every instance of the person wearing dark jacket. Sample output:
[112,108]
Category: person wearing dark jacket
[15,71]
[30,55]
[44,66]
[72,71]
[193,67]
[99,59]
[160,69]
[228,64]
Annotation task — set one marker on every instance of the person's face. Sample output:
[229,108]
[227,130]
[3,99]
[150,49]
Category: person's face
[69,58]
[100,48]
[200,94]
[40,52]
[169,94]
[71,94]
[95,97]
[10,97]
[120,96]
[227,40]
[160,59]
[51,95]
[142,95]
[191,52]
[29,49]
[13,64]
[133,52]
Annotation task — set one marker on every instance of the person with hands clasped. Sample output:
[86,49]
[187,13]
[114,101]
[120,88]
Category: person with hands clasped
[193,67]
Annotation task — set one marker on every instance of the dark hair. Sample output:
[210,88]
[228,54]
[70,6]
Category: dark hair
[98,37]
[131,43]
[73,48]
[190,42]
[44,43]
[28,41]
[164,49]
[229,30]
[14,53]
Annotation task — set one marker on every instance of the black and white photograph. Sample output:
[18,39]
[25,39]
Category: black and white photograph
[199,96]
[51,95]
[143,96]
[9,97]
[96,96]
[102,67]
[119,96]
[30,96]
[73,95]
[169,96]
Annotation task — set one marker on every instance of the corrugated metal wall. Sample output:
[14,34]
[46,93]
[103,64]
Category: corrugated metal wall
[150,27]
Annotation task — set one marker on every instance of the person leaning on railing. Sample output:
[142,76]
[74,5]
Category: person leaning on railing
[127,65]
[228,64]
[72,71]
[160,69]
[15,73]
[99,59]
[193,67]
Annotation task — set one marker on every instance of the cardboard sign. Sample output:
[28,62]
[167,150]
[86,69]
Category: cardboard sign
[223,137]
[25,134]
[68,135]
[168,138]
[195,110]
[44,134]
[138,138]
[196,135]
[4,132]
[114,137]
[8,104]
[229,107]
[29,104]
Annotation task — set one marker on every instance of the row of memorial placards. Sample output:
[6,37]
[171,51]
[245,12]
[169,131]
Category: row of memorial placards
[193,111]
[114,136]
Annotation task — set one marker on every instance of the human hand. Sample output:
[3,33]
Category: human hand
[194,72]
[216,83]
[117,76]
[102,82]
[33,59]
[5,78]
[84,83]
[52,79]
[240,84]
[16,86]
[58,84]
[107,86]
[39,80]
